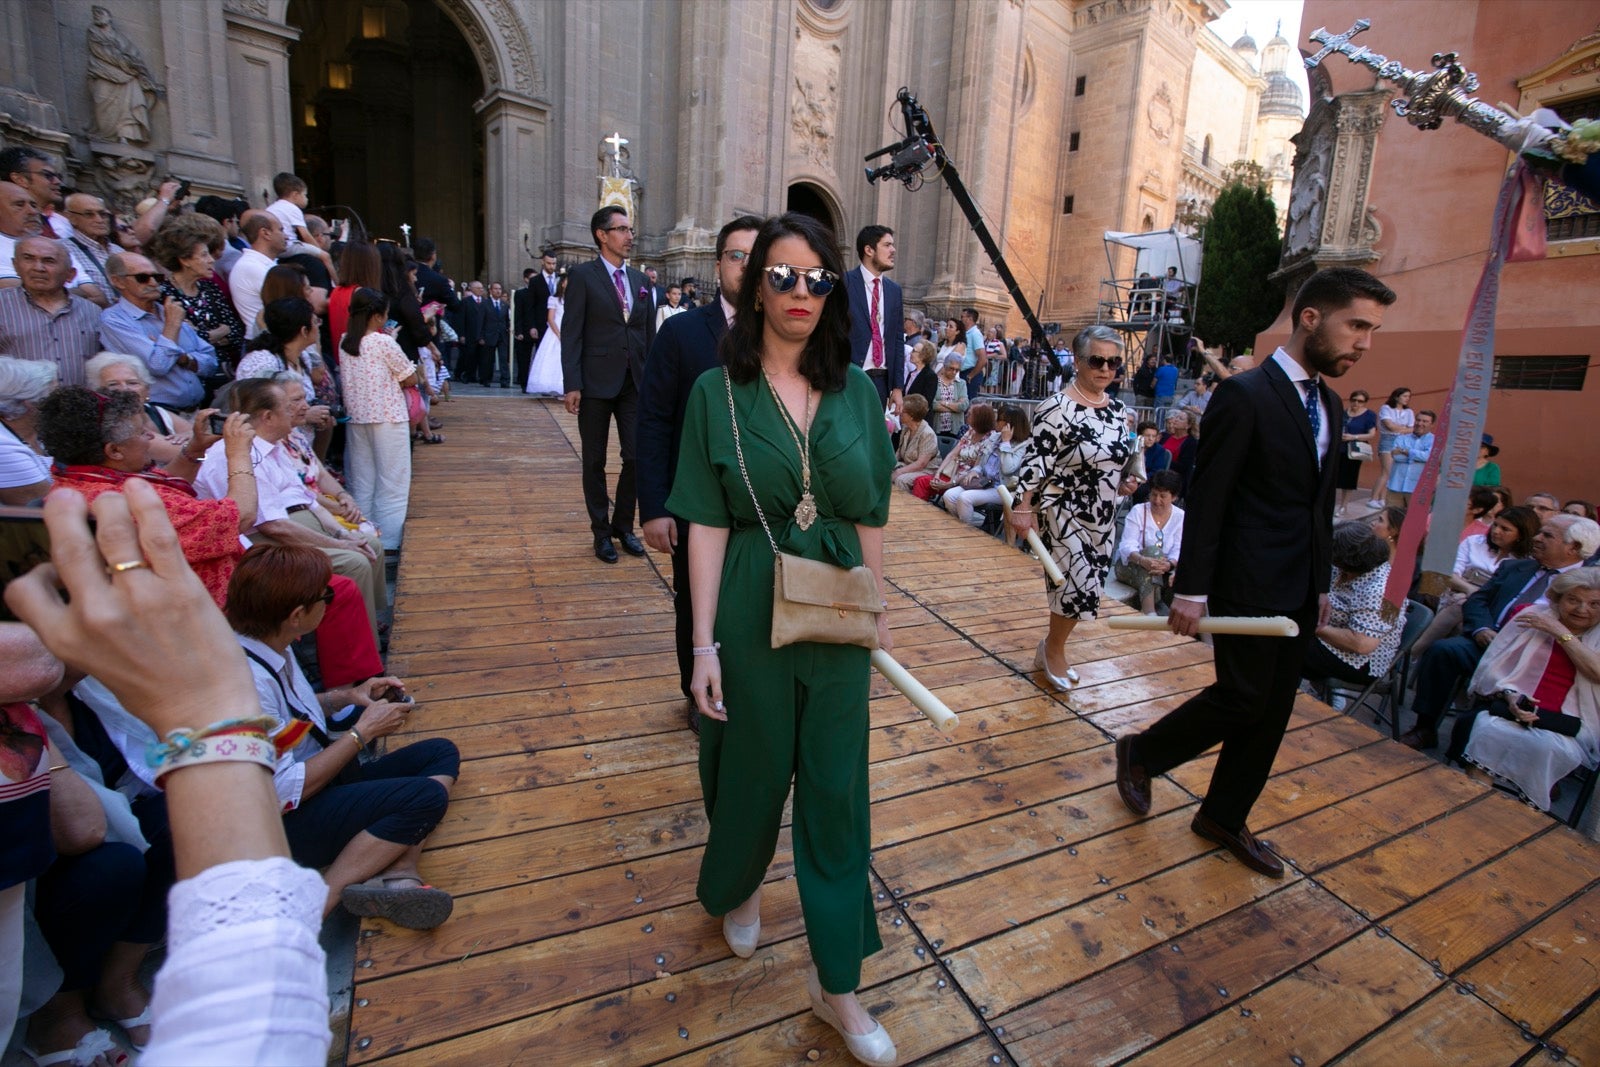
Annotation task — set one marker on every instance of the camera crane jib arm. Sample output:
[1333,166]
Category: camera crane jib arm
[910,157]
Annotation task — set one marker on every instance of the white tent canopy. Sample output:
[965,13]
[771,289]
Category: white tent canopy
[1156,251]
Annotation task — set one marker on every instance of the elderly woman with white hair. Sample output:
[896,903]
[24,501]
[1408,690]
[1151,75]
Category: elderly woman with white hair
[1073,476]
[24,467]
[1537,692]
[121,372]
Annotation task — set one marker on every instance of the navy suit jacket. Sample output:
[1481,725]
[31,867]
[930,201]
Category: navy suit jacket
[1480,610]
[686,348]
[894,317]
[1258,521]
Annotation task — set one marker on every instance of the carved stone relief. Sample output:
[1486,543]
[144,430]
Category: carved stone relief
[120,83]
[814,100]
[1329,220]
[1160,115]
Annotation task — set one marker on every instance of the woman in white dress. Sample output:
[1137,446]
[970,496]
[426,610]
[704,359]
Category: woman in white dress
[544,379]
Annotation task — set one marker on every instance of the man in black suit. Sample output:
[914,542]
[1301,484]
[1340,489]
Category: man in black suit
[542,288]
[495,340]
[875,309]
[685,348]
[471,357]
[1258,541]
[431,282]
[522,333]
[606,329]
[1560,545]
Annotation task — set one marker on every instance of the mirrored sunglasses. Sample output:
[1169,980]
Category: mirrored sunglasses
[783,276]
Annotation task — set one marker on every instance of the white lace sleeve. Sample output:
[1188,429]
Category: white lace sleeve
[245,981]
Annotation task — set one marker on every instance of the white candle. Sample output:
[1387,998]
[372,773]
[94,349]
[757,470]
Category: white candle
[1246,625]
[1051,571]
[935,709]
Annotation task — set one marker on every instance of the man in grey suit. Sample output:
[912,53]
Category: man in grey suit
[606,329]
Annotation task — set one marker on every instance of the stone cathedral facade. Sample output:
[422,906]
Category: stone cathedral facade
[485,123]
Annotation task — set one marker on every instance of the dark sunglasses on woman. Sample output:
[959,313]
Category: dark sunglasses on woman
[1102,362]
[783,276]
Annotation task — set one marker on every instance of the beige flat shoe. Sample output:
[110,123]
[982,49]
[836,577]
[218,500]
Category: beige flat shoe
[876,1048]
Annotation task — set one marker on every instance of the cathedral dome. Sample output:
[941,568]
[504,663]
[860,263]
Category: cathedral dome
[1245,43]
[1281,97]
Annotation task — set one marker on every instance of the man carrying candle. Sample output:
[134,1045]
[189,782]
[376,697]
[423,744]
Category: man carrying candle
[1258,541]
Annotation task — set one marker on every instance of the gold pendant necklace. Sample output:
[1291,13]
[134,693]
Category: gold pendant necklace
[805,512]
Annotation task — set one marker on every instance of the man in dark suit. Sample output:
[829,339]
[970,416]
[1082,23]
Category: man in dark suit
[876,314]
[431,282]
[606,329]
[1258,541]
[1560,545]
[472,306]
[495,340]
[522,333]
[685,348]
[542,289]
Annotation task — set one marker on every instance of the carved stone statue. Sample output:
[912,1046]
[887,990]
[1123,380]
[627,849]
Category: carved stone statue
[1308,198]
[120,82]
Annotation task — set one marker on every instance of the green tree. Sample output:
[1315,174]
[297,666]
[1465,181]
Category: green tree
[1237,297]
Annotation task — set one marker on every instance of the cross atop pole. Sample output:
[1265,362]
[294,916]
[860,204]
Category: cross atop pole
[1338,43]
[616,141]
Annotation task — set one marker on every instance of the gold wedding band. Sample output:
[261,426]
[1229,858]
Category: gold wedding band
[130,565]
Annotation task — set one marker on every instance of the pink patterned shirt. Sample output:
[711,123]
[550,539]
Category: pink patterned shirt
[371,381]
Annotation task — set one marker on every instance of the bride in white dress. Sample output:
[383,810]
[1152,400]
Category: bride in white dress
[544,379]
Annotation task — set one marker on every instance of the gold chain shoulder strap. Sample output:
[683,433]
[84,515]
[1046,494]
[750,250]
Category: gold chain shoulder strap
[738,450]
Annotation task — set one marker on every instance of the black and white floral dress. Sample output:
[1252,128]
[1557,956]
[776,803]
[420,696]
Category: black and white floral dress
[1073,469]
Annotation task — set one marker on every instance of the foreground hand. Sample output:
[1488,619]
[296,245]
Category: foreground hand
[661,534]
[1185,617]
[706,687]
[1023,522]
[116,625]
[319,416]
[1324,611]
[382,719]
[572,400]
[1484,637]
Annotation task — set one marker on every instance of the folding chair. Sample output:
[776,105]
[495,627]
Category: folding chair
[1391,687]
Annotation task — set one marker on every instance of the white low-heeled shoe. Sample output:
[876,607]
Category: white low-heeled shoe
[1041,664]
[876,1048]
[742,939]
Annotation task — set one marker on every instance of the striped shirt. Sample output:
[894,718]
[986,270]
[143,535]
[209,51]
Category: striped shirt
[67,337]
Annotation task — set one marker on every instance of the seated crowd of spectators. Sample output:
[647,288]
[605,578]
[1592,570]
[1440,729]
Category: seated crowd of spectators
[262,387]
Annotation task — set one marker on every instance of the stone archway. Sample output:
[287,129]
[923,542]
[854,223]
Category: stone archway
[513,116]
[810,198]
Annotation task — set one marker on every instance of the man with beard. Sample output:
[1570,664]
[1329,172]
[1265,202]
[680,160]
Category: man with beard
[1258,541]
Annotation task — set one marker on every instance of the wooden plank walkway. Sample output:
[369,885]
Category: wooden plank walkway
[1027,918]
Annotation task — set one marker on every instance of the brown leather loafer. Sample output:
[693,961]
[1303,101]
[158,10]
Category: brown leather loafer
[1244,846]
[1133,782]
[1420,739]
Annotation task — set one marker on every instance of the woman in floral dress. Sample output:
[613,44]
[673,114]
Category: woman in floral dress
[1073,477]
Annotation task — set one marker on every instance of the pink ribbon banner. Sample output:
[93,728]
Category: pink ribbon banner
[1447,476]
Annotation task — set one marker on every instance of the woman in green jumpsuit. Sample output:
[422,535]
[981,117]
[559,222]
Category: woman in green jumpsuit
[799,711]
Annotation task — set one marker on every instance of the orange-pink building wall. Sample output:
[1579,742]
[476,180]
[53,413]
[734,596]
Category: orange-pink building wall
[1434,194]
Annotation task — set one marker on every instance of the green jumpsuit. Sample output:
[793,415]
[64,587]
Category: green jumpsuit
[796,712]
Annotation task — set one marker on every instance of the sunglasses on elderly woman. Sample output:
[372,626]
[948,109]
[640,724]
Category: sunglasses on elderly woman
[1102,362]
[144,278]
[783,276]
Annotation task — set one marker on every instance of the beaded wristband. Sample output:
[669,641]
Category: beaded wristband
[182,739]
[707,650]
[239,747]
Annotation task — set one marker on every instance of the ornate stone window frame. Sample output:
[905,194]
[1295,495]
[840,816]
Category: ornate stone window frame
[1575,74]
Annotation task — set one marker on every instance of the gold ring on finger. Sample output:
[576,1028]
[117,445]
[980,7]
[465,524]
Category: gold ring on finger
[128,565]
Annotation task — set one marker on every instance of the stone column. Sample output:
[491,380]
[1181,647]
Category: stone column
[202,144]
[517,200]
[258,87]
